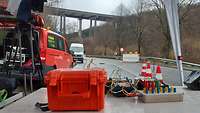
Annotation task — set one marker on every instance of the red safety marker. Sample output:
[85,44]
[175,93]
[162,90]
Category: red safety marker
[143,71]
[149,72]
[159,74]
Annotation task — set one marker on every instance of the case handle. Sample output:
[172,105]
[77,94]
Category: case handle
[76,94]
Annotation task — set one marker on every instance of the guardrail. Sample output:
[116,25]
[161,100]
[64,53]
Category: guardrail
[186,65]
[102,56]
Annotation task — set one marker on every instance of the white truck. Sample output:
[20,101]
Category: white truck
[78,52]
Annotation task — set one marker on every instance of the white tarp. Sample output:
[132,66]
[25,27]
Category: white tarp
[130,58]
[173,21]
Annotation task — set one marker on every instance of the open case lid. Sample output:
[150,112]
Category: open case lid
[194,75]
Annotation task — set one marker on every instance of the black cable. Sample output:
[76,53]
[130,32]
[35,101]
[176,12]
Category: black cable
[42,106]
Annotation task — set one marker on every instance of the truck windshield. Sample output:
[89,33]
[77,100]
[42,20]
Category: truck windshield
[77,49]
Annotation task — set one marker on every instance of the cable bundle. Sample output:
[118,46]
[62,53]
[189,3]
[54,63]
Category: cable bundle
[3,95]
[120,87]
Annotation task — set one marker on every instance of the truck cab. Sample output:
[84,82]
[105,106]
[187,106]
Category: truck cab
[54,49]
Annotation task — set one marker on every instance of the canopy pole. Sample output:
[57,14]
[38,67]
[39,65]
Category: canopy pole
[171,7]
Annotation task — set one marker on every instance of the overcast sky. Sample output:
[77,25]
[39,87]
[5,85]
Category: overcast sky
[97,6]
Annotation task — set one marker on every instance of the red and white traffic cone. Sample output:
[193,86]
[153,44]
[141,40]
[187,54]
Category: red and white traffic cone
[159,74]
[149,72]
[143,71]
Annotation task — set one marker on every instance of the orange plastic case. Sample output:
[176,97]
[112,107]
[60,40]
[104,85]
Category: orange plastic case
[72,89]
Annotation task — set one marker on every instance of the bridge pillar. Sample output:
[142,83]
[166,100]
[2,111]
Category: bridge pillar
[95,27]
[64,25]
[61,24]
[80,28]
[95,23]
[90,33]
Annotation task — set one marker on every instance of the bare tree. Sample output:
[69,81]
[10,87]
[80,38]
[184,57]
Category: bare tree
[122,10]
[120,26]
[71,27]
[71,32]
[185,6]
[162,17]
[105,36]
[54,3]
[139,24]
[51,21]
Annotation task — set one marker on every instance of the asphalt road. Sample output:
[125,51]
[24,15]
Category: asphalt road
[130,70]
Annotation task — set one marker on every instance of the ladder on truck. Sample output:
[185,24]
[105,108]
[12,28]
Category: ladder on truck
[36,68]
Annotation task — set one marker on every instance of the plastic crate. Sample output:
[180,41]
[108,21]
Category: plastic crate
[192,81]
[72,89]
[161,97]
